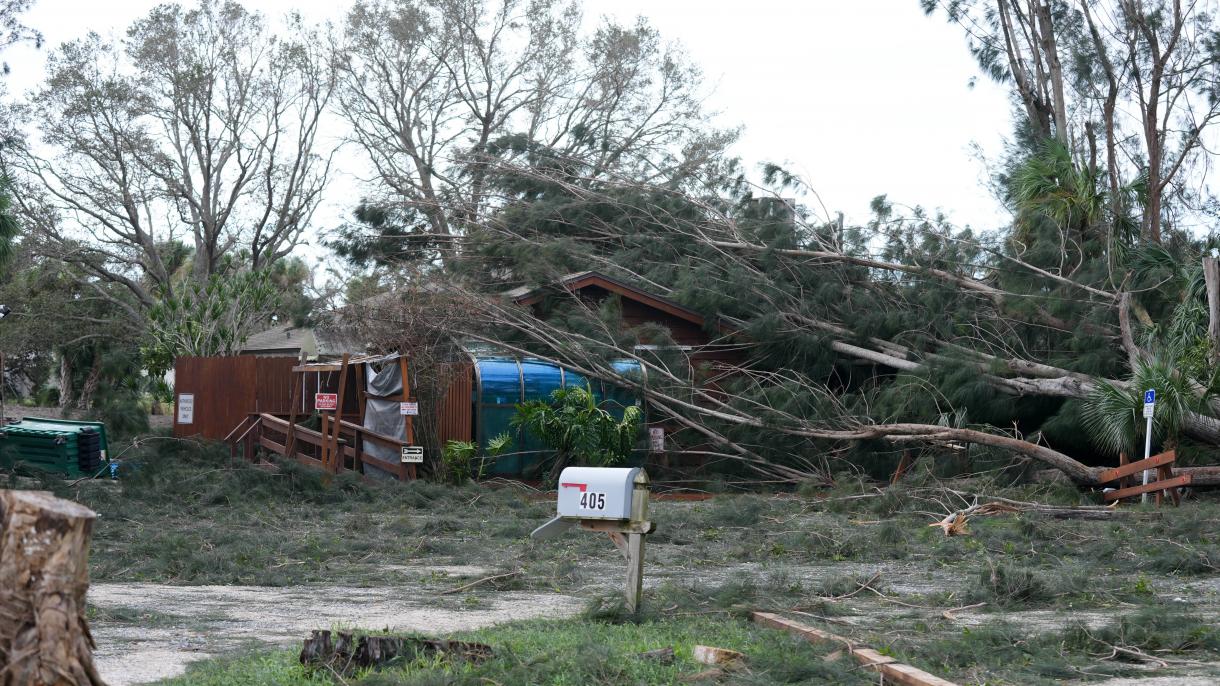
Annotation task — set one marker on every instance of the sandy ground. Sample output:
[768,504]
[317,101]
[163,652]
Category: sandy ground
[195,622]
[147,632]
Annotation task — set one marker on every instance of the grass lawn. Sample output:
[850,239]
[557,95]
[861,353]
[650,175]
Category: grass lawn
[1051,600]
[578,652]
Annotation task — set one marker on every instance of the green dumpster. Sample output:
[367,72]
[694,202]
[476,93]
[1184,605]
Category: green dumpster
[71,448]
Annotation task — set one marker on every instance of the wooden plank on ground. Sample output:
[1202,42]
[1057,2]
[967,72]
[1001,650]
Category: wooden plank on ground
[891,671]
[1121,493]
[1136,467]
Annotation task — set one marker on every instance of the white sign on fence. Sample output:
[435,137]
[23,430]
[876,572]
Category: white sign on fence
[411,408]
[413,454]
[186,408]
[656,439]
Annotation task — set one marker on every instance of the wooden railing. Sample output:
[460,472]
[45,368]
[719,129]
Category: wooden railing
[342,450]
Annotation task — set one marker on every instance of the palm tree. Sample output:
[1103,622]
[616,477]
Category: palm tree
[1113,416]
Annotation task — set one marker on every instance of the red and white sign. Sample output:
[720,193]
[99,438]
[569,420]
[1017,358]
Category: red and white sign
[326,401]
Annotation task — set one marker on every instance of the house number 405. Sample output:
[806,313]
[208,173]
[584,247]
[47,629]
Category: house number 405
[593,501]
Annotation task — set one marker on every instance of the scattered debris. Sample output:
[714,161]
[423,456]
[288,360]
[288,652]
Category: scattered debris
[890,669]
[348,651]
[709,655]
[951,614]
[954,523]
[706,674]
[663,655]
[484,580]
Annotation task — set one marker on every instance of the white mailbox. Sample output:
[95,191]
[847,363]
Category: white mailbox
[602,493]
[610,500]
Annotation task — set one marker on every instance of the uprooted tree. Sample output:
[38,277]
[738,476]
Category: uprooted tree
[1035,339]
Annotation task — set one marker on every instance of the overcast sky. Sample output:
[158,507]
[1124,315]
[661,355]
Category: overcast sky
[859,98]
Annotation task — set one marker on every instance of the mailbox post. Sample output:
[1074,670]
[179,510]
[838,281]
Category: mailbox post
[609,500]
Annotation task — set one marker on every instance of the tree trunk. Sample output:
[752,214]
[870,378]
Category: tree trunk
[91,382]
[65,381]
[1211,276]
[44,574]
[1050,48]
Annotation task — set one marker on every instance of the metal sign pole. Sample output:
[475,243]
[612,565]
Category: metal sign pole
[1149,409]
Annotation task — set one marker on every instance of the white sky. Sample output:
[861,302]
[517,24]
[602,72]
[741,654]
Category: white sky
[859,98]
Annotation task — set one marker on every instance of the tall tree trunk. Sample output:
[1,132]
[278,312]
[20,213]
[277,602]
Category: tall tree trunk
[1211,275]
[65,381]
[91,382]
[1107,115]
[44,574]
[1051,49]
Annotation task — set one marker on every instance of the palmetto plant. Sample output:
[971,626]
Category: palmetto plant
[1051,183]
[578,430]
[459,458]
[1113,415]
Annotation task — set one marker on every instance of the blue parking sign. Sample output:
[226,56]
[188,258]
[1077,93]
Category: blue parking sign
[1149,396]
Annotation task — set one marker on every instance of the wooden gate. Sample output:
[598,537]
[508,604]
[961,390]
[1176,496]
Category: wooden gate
[214,394]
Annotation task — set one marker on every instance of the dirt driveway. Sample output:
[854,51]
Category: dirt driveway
[147,632]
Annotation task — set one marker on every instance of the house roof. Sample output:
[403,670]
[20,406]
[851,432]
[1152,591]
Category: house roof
[325,340]
[580,280]
[283,338]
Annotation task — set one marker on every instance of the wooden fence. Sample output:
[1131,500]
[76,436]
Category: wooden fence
[212,394]
[225,390]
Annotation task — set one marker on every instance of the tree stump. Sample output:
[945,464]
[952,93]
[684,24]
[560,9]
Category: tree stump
[44,574]
[347,651]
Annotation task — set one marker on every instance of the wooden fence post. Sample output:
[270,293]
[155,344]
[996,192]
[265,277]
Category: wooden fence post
[337,459]
[290,442]
[44,574]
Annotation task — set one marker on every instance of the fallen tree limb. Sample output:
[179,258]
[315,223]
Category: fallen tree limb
[890,669]
[954,523]
[480,582]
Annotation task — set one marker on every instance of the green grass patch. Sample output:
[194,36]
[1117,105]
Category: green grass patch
[576,652]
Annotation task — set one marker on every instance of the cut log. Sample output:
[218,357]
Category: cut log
[44,575]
